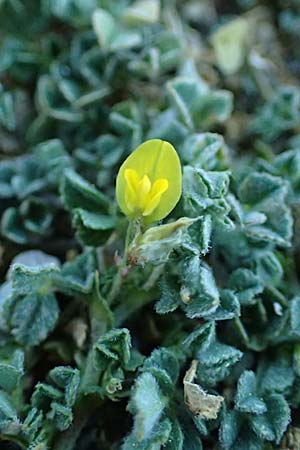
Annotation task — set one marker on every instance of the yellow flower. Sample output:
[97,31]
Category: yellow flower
[149,182]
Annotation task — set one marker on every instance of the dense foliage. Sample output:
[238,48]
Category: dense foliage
[193,340]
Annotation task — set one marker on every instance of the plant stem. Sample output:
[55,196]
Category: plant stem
[101,319]
[116,286]
[133,231]
[241,329]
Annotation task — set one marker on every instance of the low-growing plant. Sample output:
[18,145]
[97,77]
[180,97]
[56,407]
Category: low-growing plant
[149,217]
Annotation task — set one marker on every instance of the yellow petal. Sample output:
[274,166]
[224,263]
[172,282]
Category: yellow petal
[144,188]
[159,186]
[151,205]
[132,179]
[131,189]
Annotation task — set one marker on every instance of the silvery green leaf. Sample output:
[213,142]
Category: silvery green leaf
[142,12]
[167,127]
[147,403]
[77,192]
[204,150]
[246,285]
[7,112]
[42,313]
[216,362]
[247,398]
[9,422]
[205,191]
[271,425]
[12,227]
[164,361]
[5,293]
[113,346]
[12,371]
[259,188]
[52,102]
[74,11]
[236,434]
[78,275]
[7,171]
[269,268]
[169,298]
[279,114]
[199,291]
[197,106]
[229,306]
[27,279]
[32,258]
[230,43]
[200,338]
[161,435]
[93,228]
[110,34]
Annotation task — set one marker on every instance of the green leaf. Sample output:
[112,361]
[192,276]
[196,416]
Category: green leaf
[276,376]
[197,105]
[7,171]
[269,268]
[61,415]
[274,422]
[142,12]
[53,158]
[40,279]
[204,150]
[73,11]
[199,291]
[78,275]
[162,360]
[32,424]
[32,317]
[147,405]
[281,113]
[12,226]
[57,401]
[7,111]
[68,379]
[110,34]
[44,394]
[9,422]
[216,362]
[205,192]
[92,229]
[12,371]
[247,399]
[77,192]
[260,187]
[161,434]
[229,306]
[201,338]
[246,285]
[32,310]
[169,298]
[235,433]
[230,43]
[113,346]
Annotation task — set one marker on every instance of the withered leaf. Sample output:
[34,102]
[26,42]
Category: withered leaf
[197,400]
